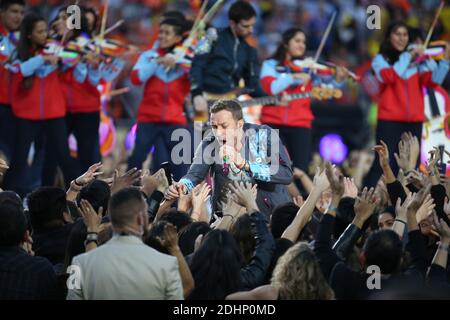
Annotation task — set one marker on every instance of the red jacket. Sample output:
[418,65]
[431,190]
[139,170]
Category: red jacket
[277,79]
[401,97]
[8,47]
[81,97]
[45,99]
[164,92]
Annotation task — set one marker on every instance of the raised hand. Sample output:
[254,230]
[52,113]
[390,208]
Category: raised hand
[157,181]
[126,180]
[91,219]
[200,196]
[336,186]
[426,209]
[184,199]
[442,228]
[244,195]
[401,209]
[320,180]
[364,206]
[298,201]
[170,238]
[383,153]
[89,175]
[350,189]
[402,157]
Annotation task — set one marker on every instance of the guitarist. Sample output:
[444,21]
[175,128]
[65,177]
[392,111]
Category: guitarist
[280,75]
[216,74]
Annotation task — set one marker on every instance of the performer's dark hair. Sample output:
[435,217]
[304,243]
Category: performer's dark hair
[230,105]
[5,4]
[241,10]
[280,54]
[180,26]
[387,50]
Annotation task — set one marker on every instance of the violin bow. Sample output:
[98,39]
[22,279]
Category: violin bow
[104,20]
[323,41]
[433,25]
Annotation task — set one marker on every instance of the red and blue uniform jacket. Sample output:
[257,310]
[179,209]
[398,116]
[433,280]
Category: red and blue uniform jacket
[80,83]
[401,97]
[164,91]
[7,47]
[44,100]
[276,79]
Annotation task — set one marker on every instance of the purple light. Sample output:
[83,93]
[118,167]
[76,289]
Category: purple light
[333,148]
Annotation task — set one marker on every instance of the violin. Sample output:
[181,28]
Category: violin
[323,69]
[435,51]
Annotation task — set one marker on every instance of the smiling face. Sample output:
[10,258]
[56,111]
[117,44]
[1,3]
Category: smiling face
[399,38]
[167,36]
[226,128]
[12,17]
[297,45]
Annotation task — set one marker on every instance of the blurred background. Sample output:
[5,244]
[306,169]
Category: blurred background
[347,124]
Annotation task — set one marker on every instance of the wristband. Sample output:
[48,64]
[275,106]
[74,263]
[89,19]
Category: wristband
[443,247]
[228,215]
[400,221]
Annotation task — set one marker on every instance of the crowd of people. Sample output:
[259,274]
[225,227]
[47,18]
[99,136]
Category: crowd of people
[255,214]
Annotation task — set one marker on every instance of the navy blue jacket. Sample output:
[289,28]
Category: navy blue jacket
[230,59]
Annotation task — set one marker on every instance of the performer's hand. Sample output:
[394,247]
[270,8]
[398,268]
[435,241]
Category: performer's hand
[168,61]
[417,51]
[304,77]
[447,51]
[341,73]
[285,99]
[200,104]
[51,59]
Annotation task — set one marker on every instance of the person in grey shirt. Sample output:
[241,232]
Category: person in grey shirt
[125,267]
[238,151]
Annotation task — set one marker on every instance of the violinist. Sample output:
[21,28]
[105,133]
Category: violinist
[281,75]
[166,86]
[38,105]
[79,84]
[401,98]
[11,16]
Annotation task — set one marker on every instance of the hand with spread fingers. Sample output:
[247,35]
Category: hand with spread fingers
[244,194]
[91,219]
[364,206]
[126,180]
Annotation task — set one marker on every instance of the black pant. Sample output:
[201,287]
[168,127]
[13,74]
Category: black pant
[390,132]
[27,131]
[298,142]
[147,135]
[84,127]
[6,130]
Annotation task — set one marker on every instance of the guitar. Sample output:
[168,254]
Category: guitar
[319,93]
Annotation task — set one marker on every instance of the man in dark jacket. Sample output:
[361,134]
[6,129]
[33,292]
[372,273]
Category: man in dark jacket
[230,59]
[238,151]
